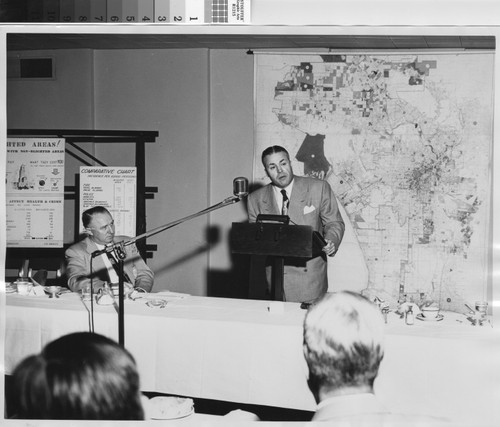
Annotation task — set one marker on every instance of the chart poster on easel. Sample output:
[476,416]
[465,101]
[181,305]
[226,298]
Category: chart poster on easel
[113,187]
[35,192]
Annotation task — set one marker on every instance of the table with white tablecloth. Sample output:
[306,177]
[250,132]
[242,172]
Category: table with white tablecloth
[240,351]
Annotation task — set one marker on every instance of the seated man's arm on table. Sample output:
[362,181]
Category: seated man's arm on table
[78,270]
[144,277]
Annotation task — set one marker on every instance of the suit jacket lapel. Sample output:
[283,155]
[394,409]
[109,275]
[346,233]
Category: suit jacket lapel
[297,199]
[128,267]
[269,202]
[97,262]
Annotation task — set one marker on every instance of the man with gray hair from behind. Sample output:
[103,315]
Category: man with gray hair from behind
[343,347]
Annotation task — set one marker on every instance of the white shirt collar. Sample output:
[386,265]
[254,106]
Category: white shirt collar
[348,399]
[99,246]
[278,196]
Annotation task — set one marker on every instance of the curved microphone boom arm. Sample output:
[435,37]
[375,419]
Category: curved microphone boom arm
[240,190]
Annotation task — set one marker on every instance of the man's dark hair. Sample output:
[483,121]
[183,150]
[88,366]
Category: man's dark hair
[89,213]
[272,150]
[83,376]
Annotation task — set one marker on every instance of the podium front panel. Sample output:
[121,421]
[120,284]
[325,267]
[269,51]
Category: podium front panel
[272,239]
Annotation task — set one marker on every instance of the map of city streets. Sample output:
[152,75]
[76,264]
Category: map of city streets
[405,142]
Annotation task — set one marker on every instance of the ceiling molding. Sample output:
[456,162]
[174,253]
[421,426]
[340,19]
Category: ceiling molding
[44,41]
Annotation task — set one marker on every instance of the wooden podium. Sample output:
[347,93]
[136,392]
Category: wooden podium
[271,235]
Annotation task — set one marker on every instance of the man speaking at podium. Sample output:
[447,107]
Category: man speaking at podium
[306,201]
[100,228]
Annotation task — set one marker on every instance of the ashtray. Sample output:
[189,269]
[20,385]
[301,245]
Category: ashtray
[157,303]
[170,407]
[52,291]
[437,318]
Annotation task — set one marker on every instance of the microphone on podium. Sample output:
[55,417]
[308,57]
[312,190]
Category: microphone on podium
[240,187]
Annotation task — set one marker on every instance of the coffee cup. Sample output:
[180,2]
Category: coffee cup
[24,287]
[430,312]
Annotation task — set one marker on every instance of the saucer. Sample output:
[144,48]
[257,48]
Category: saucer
[439,317]
[10,288]
[170,407]
[157,303]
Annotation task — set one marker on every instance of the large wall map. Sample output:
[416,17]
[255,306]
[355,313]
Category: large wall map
[405,142]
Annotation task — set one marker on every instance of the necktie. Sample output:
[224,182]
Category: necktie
[284,206]
[114,263]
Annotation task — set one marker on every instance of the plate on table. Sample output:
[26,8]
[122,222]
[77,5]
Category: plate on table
[157,303]
[10,288]
[439,317]
[170,407]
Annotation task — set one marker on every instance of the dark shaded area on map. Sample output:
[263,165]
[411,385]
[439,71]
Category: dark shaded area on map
[312,154]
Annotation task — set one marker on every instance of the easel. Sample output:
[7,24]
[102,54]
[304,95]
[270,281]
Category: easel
[72,137]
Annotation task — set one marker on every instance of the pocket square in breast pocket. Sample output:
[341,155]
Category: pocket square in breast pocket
[309,209]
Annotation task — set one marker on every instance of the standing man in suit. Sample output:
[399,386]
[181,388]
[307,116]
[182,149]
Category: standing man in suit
[100,228]
[307,201]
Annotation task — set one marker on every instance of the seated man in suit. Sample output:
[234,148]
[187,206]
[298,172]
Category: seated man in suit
[100,227]
[343,348]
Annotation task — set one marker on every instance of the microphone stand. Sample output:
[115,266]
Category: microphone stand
[117,248]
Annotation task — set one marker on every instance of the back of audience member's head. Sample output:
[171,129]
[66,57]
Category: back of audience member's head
[79,376]
[343,343]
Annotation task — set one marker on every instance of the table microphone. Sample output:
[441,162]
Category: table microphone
[240,187]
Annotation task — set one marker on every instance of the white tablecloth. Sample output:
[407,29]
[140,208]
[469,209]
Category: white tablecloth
[237,351]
